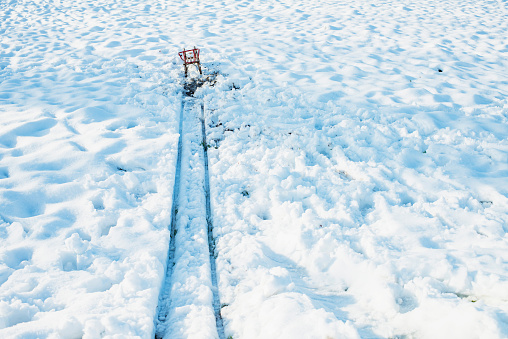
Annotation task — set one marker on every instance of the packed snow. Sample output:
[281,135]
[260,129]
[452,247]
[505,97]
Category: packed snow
[358,157]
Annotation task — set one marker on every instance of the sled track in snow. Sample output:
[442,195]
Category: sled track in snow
[165,293]
[211,239]
[164,306]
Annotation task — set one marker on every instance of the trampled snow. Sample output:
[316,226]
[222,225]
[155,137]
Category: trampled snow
[358,168]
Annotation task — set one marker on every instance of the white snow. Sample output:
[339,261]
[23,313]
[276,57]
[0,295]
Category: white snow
[358,168]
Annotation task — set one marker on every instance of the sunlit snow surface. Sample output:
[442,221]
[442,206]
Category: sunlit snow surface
[358,168]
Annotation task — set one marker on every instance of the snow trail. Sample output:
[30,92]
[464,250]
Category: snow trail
[211,239]
[165,294]
[191,269]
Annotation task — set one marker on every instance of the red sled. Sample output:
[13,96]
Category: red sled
[190,57]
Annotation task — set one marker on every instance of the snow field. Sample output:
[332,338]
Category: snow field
[360,182]
[87,150]
[384,252]
[358,185]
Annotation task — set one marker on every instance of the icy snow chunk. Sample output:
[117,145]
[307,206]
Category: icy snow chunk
[76,244]
[275,281]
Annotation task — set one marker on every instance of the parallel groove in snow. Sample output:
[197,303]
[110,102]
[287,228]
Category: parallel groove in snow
[164,320]
[165,294]
[211,240]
